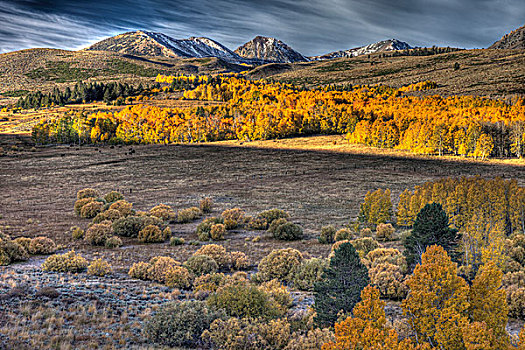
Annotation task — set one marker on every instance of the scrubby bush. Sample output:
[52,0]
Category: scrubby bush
[99,267]
[113,242]
[201,265]
[10,252]
[314,339]
[257,223]
[238,261]
[343,234]
[217,232]
[217,253]
[288,232]
[113,196]
[327,234]
[516,301]
[42,245]
[177,277]
[87,193]
[210,282]
[280,295]
[163,212]
[139,270]
[124,207]
[365,245]
[233,218]
[309,272]
[366,232]
[151,234]
[176,241]
[128,226]
[244,300]
[97,234]
[273,214]
[280,264]
[204,228]
[77,232]
[276,223]
[385,232]
[206,205]
[389,279]
[24,242]
[159,266]
[110,215]
[180,323]
[80,203]
[188,215]
[67,262]
[386,255]
[91,209]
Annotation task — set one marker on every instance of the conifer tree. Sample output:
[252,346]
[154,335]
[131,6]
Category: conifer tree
[341,285]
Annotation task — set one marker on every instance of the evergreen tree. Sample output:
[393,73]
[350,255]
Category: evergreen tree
[430,227]
[341,285]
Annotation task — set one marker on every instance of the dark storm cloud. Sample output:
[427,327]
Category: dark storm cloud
[310,26]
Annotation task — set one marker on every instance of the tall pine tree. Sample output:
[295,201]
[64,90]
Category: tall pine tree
[341,285]
[431,227]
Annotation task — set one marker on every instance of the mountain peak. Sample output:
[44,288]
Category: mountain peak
[380,46]
[270,50]
[146,43]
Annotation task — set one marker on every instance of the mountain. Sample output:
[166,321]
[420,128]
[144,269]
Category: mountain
[380,46]
[269,50]
[143,43]
[513,40]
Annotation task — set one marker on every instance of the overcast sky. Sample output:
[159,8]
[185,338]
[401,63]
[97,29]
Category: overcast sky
[311,27]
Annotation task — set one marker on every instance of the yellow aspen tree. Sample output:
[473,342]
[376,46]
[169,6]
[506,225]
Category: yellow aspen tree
[437,303]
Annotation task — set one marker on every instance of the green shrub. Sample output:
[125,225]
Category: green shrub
[276,223]
[163,212]
[201,265]
[389,279]
[279,294]
[77,232]
[10,252]
[24,242]
[309,272]
[327,235]
[99,267]
[180,323]
[113,242]
[385,232]
[244,301]
[159,266]
[128,226]
[343,234]
[80,203]
[273,214]
[91,209]
[233,218]
[366,232]
[87,193]
[365,245]
[176,241]
[151,234]
[67,262]
[206,205]
[280,264]
[217,232]
[239,261]
[188,215]
[288,232]
[204,228]
[42,245]
[209,283]
[217,253]
[124,207]
[113,196]
[97,234]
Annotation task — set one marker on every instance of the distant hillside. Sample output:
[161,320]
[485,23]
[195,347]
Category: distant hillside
[496,73]
[381,46]
[144,43]
[269,50]
[513,40]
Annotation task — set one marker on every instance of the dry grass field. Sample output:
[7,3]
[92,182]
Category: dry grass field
[317,186]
